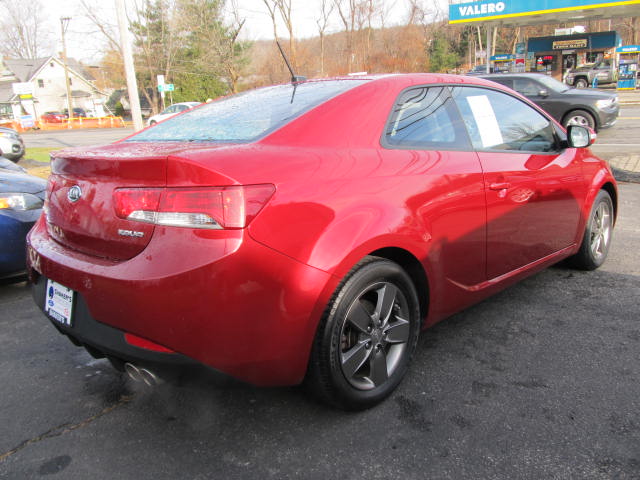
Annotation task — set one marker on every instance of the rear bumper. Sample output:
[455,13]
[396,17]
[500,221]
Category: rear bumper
[229,303]
[106,341]
[12,149]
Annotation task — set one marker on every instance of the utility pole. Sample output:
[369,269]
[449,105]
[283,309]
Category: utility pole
[132,84]
[64,23]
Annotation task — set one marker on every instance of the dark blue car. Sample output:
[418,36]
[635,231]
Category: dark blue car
[21,201]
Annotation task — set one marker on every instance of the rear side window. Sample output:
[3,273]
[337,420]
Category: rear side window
[247,116]
[425,118]
[497,121]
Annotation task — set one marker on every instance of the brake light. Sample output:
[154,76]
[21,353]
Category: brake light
[208,207]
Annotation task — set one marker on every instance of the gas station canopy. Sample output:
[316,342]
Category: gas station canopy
[533,12]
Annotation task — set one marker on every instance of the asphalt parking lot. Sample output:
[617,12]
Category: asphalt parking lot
[540,381]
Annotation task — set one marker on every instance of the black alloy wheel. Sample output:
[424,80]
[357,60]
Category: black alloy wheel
[597,235]
[367,336]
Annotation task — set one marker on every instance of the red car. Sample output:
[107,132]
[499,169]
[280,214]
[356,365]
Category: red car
[53,117]
[310,231]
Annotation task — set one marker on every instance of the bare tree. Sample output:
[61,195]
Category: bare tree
[326,8]
[347,10]
[283,8]
[230,49]
[99,19]
[22,32]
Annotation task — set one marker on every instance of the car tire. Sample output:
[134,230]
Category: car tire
[579,117]
[581,83]
[367,336]
[597,235]
[152,123]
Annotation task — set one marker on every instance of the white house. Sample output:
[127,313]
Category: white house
[46,81]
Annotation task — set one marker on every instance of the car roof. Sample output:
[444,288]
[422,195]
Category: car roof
[405,80]
[531,75]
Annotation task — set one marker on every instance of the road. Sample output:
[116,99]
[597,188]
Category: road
[540,381]
[74,138]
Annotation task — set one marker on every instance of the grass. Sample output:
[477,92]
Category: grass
[39,154]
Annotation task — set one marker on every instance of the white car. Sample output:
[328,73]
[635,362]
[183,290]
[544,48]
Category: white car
[169,112]
[11,144]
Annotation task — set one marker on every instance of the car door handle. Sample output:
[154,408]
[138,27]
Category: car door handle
[500,186]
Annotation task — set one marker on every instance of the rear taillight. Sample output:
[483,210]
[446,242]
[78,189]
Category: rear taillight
[204,207]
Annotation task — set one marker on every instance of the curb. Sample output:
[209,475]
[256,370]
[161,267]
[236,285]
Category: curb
[625,175]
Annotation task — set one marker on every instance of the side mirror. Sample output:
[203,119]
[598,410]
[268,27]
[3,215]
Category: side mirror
[543,93]
[580,137]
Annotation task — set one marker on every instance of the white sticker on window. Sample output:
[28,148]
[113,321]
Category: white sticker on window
[485,120]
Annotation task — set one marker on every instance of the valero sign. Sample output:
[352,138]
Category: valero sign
[479,8]
[483,10]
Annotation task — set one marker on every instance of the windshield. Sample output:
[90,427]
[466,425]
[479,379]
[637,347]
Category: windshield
[552,84]
[246,116]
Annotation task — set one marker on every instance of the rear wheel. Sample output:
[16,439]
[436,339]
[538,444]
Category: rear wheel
[152,123]
[581,83]
[581,118]
[367,336]
[597,235]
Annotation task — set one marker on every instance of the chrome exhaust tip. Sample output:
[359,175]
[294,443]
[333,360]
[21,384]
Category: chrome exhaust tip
[149,378]
[143,375]
[133,372]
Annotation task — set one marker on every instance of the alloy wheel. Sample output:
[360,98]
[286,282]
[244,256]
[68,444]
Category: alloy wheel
[600,230]
[374,336]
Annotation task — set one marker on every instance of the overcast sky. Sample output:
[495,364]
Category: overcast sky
[84,44]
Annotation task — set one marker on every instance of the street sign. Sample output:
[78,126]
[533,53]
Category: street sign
[161,88]
[169,87]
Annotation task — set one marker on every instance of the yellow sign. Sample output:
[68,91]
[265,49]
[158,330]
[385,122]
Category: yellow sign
[569,44]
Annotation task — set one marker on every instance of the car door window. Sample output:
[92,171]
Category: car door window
[425,118]
[498,121]
[526,87]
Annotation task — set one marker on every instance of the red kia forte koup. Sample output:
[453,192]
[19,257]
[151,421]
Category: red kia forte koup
[310,231]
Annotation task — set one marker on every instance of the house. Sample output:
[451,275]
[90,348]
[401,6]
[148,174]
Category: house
[44,79]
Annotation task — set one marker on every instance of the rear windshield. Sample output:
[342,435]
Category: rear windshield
[246,116]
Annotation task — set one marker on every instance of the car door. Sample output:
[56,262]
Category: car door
[532,185]
[425,139]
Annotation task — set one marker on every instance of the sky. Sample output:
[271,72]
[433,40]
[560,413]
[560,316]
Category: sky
[83,43]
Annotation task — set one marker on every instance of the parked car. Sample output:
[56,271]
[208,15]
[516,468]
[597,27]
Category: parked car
[569,106]
[77,112]
[309,231]
[169,112]
[582,77]
[53,117]
[478,70]
[11,144]
[21,200]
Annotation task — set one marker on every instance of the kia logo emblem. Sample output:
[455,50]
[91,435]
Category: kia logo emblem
[74,193]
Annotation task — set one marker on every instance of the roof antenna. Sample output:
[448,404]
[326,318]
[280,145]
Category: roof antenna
[294,78]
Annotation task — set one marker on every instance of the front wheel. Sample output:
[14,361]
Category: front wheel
[367,336]
[597,235]
[582,83]
[581,118]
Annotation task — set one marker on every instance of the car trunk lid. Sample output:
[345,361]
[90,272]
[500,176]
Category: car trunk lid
[80,198]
